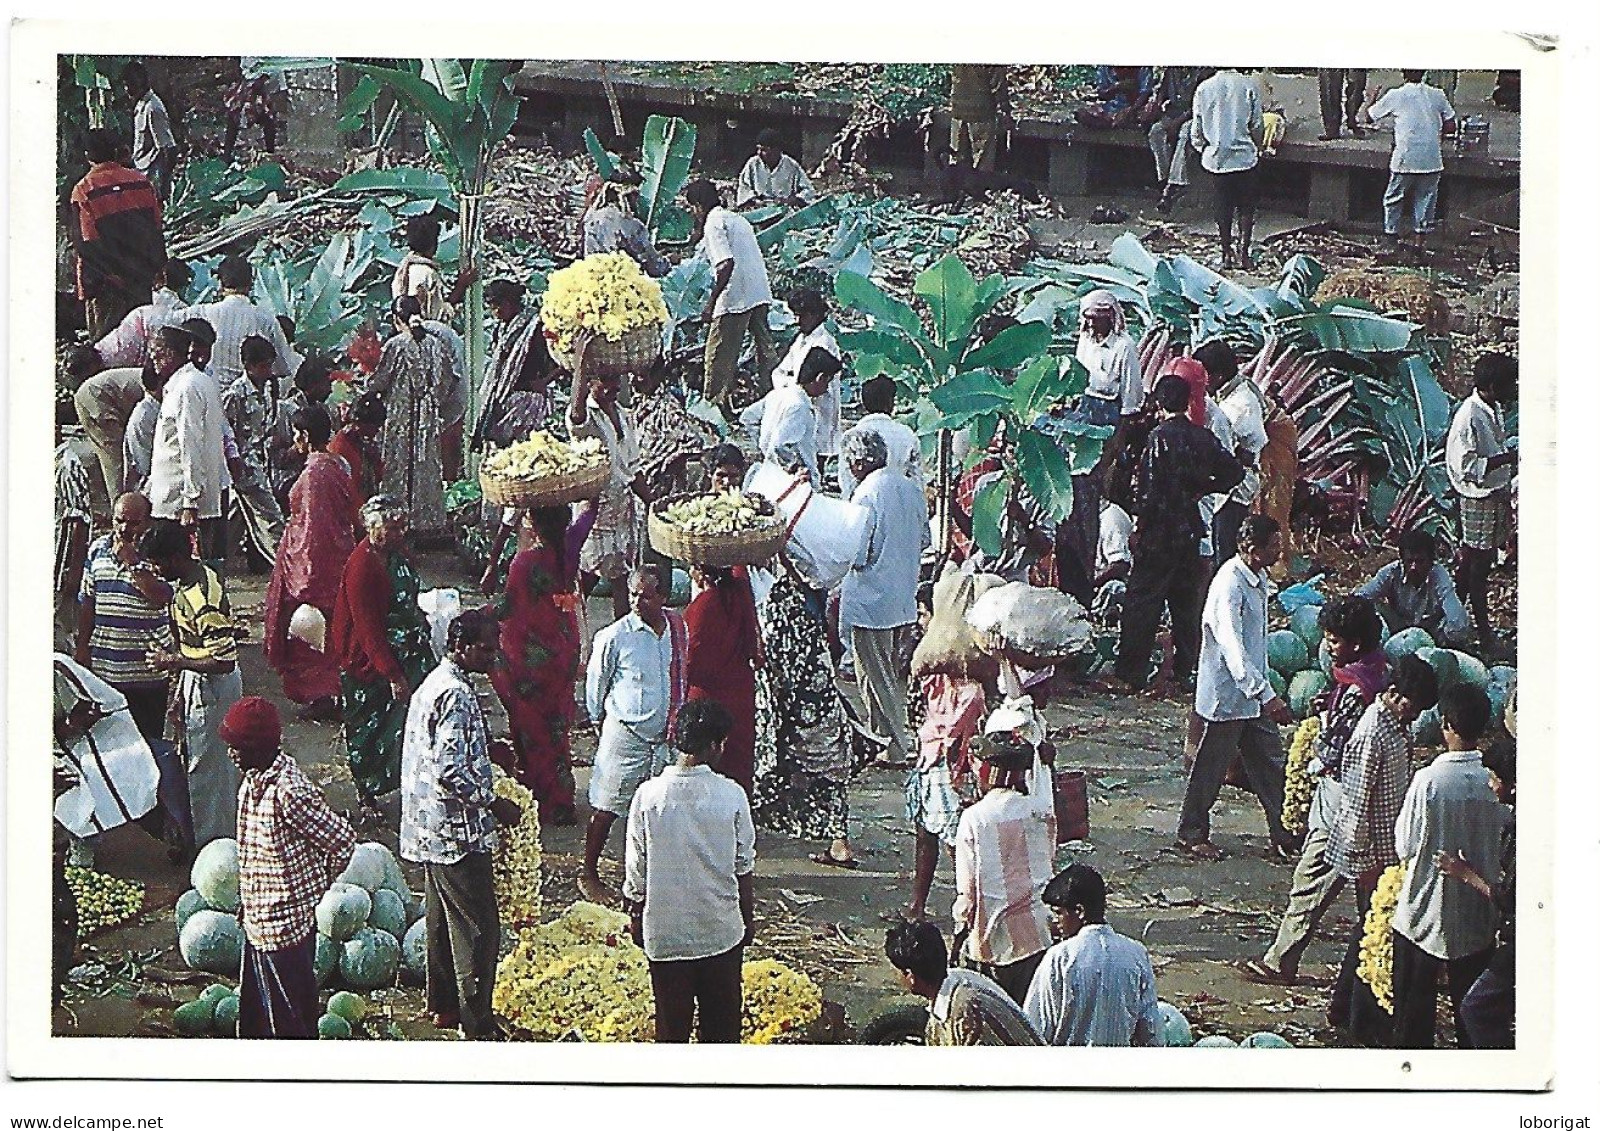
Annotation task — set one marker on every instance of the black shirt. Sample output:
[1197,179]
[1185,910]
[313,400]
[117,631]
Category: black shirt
[1180,465]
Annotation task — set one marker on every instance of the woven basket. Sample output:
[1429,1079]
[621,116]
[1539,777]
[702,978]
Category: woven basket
[634,352]
[551,491]
[747,547]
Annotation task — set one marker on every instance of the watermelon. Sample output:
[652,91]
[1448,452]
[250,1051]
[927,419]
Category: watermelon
[1175,1031]
[1443,662]
[1306,623]
[188,903]
[216,992]
[215,874]
[366,868]
[1279,687]
[394,879]
[1265,1041]
[1406,643]
[352,1007]
[225,1018]
[342,911]
[415,948]
[326,961]
[1216,1042]
[212,941]
[331,1027]
[193,1018]
[388,913]
[1428,730]
[1304,689]
[1472,670]
[1287,653]
[414,908]
[370,959]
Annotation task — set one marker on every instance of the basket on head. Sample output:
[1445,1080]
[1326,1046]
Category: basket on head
[744,547]
[634,352]
[549,491]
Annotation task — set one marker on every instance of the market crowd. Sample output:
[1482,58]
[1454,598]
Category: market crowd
[219,446]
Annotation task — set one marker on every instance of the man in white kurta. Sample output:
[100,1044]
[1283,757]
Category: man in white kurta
[771,176]
[187,466]
[740,292]
[1482,465]
[788,436]
[235,317]
[904,448]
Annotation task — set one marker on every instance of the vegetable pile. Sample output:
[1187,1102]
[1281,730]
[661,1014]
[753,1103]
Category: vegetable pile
[730,512]
[103,901]
[607,294]
[541,456]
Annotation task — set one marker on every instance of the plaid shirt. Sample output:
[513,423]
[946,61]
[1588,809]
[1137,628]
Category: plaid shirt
[291,846]
[1375,771]
[446,778]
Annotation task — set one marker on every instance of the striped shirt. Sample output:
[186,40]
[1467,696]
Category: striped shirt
[204,622]
[1005,854]
[72,505]
[236,318]
[126,626]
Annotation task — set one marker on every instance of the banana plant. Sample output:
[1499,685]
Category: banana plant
[667,156]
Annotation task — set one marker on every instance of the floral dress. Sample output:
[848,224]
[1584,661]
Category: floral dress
[411,374]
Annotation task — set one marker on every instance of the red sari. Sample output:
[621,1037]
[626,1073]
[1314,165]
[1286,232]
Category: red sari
[723,641]
[363,459]
[316,543]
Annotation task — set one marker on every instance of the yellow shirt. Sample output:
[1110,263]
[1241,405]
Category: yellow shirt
[203,620]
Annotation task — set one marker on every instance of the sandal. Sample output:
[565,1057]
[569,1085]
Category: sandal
[833,861]
[1258,972]
[1200,849]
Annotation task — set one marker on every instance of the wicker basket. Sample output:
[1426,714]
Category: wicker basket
[551,491]
[634,352]
[747,547]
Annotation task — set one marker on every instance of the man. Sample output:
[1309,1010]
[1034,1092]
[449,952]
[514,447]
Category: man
[123,616]
[1005,846]
[1331,82]
[964,1007]
[636,684]
[105,401]
[1169,136]
[1095,987]
[139,439]
[1422,116]
[448,816]
[116,232]
[980,111]
[418,273]
[810,310]
[235,317]
[1226,126]
[740,292]
[251,408]
[73,510]
[1375,769]
[207,665]
[129,343]
[878,598]
[188,473]
[772,177]
[1242,404]
[1417,592]
[1450,809]
[1481,465]
[905,449]
[155,150]
[788,435]
[1489,1010]
[1238,709]
[291,846]
[1181,462]
[691,857]
[611,225]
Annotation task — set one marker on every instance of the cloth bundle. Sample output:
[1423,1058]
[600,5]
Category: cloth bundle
[951,646]
[1042,625]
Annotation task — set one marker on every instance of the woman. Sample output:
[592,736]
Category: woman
[381,642]
[316,544]
[1116,387]
[724,654]
[357,444]
[612,547]
[668,436]
[519,363]
[414,376]
[538,663]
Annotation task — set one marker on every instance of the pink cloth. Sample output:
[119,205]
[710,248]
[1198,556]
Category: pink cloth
[954,716]
[1194,375]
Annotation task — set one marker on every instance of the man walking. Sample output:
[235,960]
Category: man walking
[1422,115]
[740,293]
[690,859]
[1481,464]
[116,232]
[291,846]
[1226,127]
[448,816]
[1238,709]
[964,1007]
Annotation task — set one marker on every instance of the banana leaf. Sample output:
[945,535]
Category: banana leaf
[968,395]
[1301,277]
[814,215]
[988,506]
[1350,330]
[882,344]
[1034,389]
[668,152]
[604,163]
[449,138]
[1012,347]
[860,293]
[447,76]
[1129,254]
[952,296]
[358,102]
[1046,473]
[402,181]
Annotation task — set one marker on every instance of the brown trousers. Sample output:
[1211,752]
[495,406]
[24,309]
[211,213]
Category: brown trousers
[725,341]
[463,941]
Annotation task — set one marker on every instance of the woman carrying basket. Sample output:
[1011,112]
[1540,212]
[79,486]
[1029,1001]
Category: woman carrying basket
[612,548]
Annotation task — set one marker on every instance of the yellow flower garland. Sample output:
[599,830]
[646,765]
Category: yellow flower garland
[1377,941]
[517,860]
[605,293]
[1297,784]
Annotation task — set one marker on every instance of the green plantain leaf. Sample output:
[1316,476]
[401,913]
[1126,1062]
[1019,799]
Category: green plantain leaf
[969,394]
[952,296]
[1010,348]
[447,76]
[814,215]
[604,163]
[1045,471]
[882,343]
[988,506]
[668,153]
[860,293]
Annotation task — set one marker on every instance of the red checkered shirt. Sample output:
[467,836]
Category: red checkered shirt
[291,846]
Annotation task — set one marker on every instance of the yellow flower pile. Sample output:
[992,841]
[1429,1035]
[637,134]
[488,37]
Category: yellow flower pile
[103,901]
[517,859]
[1377,943]
[1297,784]
[541,456]
[730,512]
[583,972]
[607,294]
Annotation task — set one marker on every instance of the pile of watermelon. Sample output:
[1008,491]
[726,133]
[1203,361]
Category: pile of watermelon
[1298,666]
[215,1013]
[1176,1033]
[1451,668]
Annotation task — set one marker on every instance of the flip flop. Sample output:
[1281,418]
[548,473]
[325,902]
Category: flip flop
[1200,850]
[1258,972]
[833,861]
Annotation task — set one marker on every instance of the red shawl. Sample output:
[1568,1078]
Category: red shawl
[315,546]
[1194,375]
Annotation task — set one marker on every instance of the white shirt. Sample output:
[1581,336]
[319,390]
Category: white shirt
[236,318]
[690,838]
[1095,989]
[789,430]
[786,180]
[622,447]
[1227,106]
[1477,432]
[905,450]
[729,236]
[1116,529]
[1247,419]
[630,677]
[1005,855]
[187,467]
[138,443]
[880,591]
[152,131]
[1113,366]
[827,405]
[1419,112]
[1218,425]
[1232,679]
[128,344]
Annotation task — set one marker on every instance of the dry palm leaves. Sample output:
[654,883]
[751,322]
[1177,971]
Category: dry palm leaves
[1391,292]
[998,242]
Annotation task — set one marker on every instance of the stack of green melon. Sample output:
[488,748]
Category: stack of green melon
[1450,668]
[215,1013]
[1293,661]
[209,937]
